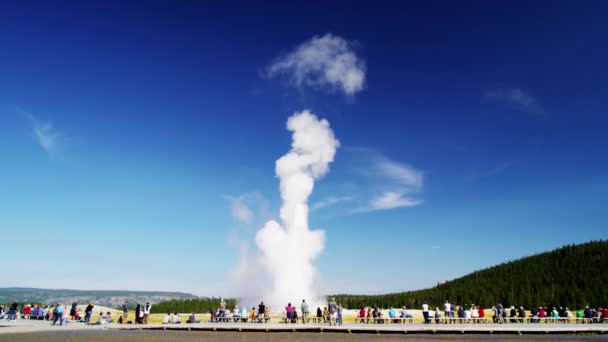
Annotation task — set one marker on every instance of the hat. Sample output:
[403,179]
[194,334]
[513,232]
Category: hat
[404,306]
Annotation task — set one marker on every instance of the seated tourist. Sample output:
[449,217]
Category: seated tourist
[176,318]
[192,318]
[404,313]
[108,317]
[167,318]
[587,313]
[244,313]
[474,312]
[391,312]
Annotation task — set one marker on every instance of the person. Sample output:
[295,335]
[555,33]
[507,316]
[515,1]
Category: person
[51,312]
[65,316]
[58,314]
[380,316]
[141,316]
[305,311]
[236,315]
[339,314]
[474,312]
[167,318]
[192,318]
[391,313]
[425,313]
[176,318]
[361,314]
[252,314]
[261,310]
[125,311]
[604,314]
[222,308]
[27,311]
[2,313]
[461,313]
[73,309]
[244,314]
[333,311]
[521,314]
[587,313]
[101,320]
[294,315]
[108,317]
[319,314]
[212,313]
[87,312]
[12,311]
[267,313]
[404,313]
[288,313]
[568,313]
[325,315]
[437,315]
[137,311]
[446,310]
[467,314]
[147,309]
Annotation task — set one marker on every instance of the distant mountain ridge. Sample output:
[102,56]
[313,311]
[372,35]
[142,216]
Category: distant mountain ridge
[109,298]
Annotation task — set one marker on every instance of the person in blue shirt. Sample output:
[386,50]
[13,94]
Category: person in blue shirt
[58,315]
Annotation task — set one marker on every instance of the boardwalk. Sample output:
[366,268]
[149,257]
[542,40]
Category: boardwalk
[348,328]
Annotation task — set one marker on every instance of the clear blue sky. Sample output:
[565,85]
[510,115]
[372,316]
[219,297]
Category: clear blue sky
[132,135]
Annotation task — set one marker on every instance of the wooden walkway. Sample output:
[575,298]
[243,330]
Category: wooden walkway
[416,328]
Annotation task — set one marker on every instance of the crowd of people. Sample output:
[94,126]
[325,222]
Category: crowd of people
[58,313]
[333,314]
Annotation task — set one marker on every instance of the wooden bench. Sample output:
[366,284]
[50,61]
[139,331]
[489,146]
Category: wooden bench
[377,320]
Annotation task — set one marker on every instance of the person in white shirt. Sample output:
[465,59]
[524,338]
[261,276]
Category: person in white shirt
[176,318]
[167,319]
[147,309]
[474,312]
[467,313]
[425,312]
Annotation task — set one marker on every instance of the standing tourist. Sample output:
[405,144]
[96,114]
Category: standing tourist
[425,312]
[147,312]
[88,312]
[12,311]
[305,311]
[125,311]
[73,310]
[58,314]
[137,312]
[333,311]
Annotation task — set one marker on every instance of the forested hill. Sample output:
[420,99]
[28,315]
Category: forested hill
[573,276]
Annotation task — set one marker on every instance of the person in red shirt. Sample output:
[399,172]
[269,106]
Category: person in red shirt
[482,313]
[604,314]
[27,311]
[362,314]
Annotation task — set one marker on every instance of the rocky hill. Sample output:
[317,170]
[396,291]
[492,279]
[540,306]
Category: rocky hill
[107,298]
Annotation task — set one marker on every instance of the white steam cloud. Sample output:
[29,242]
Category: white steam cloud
[323,61]
[289,248]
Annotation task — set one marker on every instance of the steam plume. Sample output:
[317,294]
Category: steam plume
[289,248]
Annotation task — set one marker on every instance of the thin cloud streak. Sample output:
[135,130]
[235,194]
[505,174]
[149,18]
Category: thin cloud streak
[516,98]
[330,201]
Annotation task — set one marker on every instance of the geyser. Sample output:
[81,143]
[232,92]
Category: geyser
[289,248]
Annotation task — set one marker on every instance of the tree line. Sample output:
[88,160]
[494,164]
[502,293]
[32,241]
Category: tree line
[573,276]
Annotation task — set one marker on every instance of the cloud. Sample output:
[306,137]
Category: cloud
[243,208]
[326,61]
[44,132]
[241,212]
[398,183]
[391,200]
[516,98]
[329,201]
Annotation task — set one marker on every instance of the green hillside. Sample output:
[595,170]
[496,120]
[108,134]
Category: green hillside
[574,276]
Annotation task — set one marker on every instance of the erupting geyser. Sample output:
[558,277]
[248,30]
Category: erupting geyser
[290,247]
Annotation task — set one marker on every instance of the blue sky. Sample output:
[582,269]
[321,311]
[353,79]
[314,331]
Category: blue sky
[138,142]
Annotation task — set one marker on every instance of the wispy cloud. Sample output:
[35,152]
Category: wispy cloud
[391,200]
[398,183]
[329,201]
[516,98]
[243,208]
[46,135]
[326,61]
